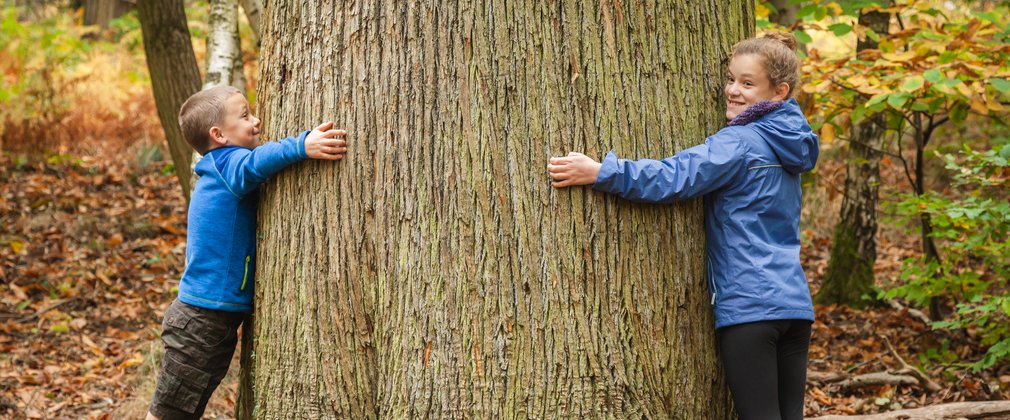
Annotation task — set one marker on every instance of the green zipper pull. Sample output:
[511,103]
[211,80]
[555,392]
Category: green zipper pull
[245,275]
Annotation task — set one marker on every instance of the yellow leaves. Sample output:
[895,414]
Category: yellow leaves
[834,8]
[978,105]
[857,81]
[17,246]
[899,56]
[827,134]
[994,105]
[137,359]
[963,89]
[926,50]
[761,11]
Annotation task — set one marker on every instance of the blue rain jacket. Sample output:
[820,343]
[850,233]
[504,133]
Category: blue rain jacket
[750,178]
[221,231]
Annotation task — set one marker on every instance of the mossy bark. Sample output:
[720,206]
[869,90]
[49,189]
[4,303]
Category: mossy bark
[434,272]
[849,276]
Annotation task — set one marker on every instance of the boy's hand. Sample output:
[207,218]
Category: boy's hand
[574,169]
[325,143]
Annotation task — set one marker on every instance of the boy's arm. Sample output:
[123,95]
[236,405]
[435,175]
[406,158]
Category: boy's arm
[691,173]
[244,170]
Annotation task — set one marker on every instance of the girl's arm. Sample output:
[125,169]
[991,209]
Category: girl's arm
[691,173]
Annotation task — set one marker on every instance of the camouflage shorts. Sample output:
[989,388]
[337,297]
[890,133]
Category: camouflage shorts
[199,344]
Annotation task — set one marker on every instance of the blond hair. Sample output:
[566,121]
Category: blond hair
[200,112]
[778,57]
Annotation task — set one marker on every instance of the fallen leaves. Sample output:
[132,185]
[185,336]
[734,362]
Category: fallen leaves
[90,254]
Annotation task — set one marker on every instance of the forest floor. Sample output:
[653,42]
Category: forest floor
[91,250]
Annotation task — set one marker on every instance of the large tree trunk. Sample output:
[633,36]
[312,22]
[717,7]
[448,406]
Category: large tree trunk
[849,275]
[174,74]
[434,272]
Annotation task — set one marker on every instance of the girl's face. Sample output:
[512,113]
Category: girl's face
[747,84]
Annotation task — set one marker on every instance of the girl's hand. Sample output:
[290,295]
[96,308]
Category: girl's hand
[574,169]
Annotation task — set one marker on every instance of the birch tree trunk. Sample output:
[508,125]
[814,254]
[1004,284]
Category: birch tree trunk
[174,74]
[224,49]
[434,272]
[224,54]
[849,275]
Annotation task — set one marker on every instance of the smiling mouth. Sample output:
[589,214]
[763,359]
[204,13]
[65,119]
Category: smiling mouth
[734,103]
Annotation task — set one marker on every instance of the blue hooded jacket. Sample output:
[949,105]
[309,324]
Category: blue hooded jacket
[221,231]
[750,178]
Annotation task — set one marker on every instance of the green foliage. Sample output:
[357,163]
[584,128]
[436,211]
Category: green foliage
[974,229]
[64,84]
[35,58]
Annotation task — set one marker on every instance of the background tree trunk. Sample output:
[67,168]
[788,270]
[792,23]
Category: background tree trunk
[174,74]
[253,11]
[224,48]
[434,272]
[849,275]
[785,12]
[100,12]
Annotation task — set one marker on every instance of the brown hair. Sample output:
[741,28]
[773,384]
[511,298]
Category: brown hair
[202,111]
[778,53]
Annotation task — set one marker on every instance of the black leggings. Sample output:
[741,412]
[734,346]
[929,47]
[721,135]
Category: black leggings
[766,365]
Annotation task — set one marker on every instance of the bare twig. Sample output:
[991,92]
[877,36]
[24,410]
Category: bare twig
[915,313]
[45,309]
[924,380]
[878,378]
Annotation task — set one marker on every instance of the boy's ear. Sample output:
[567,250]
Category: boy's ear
[217,137]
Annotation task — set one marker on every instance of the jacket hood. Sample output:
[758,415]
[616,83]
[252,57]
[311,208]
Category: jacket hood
[789,136]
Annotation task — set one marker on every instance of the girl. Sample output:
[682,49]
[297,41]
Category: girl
[749,174]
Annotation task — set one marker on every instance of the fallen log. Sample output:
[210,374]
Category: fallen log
[825,377]
[978,410]
[878,378]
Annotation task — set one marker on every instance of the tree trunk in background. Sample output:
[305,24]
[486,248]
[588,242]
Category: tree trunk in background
[253,12]
[174,74]
[100,12]
[785,12]
[849,275]
[226,67]
[434,272]
[224,48]
[224,55]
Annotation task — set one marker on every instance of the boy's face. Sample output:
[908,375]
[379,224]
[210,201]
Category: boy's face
[240,127]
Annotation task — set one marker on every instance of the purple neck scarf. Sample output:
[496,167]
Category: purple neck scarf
[753,112]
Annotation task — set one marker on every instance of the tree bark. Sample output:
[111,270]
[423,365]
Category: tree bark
[174,74]
[224,55]
[253,12]
[434,272]
[849,275]
[785,12]
[100,12]
[224,48]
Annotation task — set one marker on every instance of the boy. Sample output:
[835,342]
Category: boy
[216,290]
